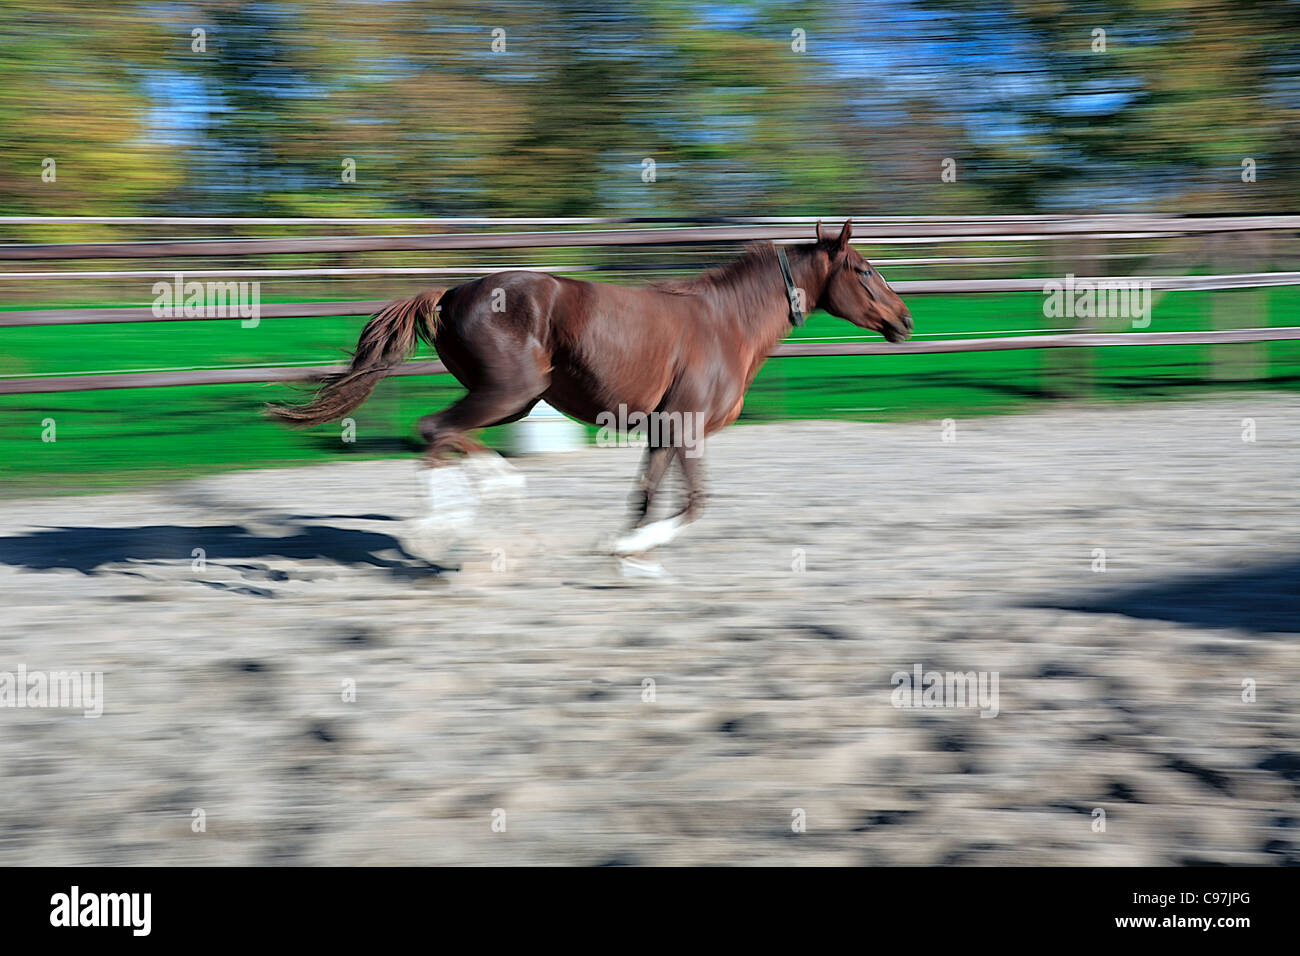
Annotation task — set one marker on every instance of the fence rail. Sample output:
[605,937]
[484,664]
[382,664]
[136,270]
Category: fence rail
[230,376]
[302,310]
[867,231]
[1062,223]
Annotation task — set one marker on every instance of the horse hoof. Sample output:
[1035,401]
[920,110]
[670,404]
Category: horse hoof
[494,477]
[647,536]
[453,506]
[641,568]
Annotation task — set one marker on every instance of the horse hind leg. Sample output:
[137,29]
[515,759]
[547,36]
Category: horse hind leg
[493,476]
[455,486]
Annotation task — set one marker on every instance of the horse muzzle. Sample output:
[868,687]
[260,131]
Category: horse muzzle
[898,329]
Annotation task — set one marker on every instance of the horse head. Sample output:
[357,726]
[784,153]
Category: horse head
[857,292]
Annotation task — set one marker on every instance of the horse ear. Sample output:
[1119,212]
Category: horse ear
[821,237]
[845,235]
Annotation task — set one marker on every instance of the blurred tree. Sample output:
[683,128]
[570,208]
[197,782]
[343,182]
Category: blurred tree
[1122,102]
[72,92]
[551,107]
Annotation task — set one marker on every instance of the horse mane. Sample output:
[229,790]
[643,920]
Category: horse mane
[743,285]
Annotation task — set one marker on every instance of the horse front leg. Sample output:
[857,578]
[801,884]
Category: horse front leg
[692,462]
[647,535]
[654,465]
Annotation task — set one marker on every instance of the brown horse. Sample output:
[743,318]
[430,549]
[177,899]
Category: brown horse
[677,353]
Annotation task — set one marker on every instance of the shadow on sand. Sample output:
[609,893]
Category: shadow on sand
[1265,598]
[90,549]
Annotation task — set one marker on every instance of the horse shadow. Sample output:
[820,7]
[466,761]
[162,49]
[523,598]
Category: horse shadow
[94,550]
[1261,599]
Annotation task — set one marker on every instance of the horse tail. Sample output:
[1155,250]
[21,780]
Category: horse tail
[388,338]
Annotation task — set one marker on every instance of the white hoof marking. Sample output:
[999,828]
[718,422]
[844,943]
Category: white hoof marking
[453,504]
[648,536]
[641,568]
[494,477]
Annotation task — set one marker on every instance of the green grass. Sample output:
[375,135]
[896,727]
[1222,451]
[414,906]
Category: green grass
[109,439]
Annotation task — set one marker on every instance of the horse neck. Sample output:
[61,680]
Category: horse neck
[770,323]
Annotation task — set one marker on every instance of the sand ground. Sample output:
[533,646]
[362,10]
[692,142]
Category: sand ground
[698,720]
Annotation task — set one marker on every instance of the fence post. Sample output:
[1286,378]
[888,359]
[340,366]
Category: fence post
[1069,371]
[1238,308]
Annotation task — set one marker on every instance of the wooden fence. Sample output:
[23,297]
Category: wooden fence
[459,234]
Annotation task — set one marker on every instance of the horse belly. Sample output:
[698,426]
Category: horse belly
[613,349]
[579,400]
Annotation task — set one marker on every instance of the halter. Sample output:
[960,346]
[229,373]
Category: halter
[791,293]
